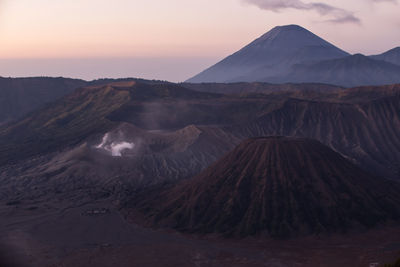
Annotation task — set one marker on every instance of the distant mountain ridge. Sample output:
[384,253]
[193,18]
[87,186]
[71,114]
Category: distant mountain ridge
[391,56]
[290,54]
[19,96]
[349,71]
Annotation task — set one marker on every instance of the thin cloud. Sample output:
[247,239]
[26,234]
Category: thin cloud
[334,14]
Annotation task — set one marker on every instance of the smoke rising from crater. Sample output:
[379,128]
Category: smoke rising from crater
[115,148]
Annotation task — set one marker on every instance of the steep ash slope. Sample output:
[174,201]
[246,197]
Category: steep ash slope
[276,186]
[368,132]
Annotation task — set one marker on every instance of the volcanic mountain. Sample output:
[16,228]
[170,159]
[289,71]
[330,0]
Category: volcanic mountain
[275,186]
[270,55]
[292,54]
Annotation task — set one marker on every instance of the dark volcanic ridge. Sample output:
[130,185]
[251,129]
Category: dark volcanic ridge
[20,96]
[274,186]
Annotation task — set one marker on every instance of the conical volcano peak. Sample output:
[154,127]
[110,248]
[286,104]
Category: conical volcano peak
[290,27]
[290,36]
[272,54]
[286,28]
[277,186]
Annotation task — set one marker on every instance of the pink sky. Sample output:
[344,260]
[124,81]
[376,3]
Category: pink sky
[159,34]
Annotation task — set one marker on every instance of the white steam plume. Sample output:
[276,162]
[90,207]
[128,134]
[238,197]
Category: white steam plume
[115,148]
